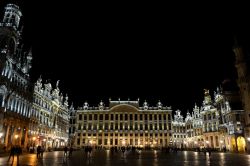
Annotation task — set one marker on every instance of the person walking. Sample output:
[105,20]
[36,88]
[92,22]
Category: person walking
[65,151]
[12,153]
[18,153]
[38,151]
[70,151]
[42,150]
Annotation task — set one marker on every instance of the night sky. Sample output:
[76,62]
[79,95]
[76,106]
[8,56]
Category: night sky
[150,51]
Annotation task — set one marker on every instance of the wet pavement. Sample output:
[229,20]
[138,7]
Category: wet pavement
[144,158]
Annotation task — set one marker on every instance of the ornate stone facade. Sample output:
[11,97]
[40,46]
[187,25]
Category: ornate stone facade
[50,116]
[15,87]
[123,123]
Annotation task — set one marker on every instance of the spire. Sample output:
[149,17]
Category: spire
[57,84]
[66,100]
[72,106]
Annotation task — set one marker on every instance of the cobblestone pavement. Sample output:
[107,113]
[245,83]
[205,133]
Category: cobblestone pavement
[144,158]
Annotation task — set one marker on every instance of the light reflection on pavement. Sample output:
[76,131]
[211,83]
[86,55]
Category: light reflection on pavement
[144,158]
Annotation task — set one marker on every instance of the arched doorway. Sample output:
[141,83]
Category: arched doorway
[241,144]
[233,145]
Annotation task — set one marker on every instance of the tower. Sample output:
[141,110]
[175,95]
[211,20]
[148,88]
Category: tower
[239,50]
[9,33]
[243,77]
[15,85]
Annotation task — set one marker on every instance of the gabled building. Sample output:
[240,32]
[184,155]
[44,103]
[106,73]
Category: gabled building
[49,117]
[231,119]
[210,116]
[198,140]
[179,131]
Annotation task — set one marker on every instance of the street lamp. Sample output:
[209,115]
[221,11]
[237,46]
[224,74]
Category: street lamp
[1,134]
[207,142]
[123,142]
[33,139]
[16,137]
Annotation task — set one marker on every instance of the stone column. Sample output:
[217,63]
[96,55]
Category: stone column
[236,144]
[7,135]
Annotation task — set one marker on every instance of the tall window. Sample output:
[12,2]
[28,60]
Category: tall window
[1,99]
[106,116]
[80,117]
[131,117]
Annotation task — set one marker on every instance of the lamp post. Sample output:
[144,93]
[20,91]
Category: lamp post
[221,145]
[1,134]
[123,142]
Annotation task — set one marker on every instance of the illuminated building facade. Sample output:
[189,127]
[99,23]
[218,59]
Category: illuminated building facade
[195,138]
[123,123]
[50,116]
[179,131]
[15,87]
[231,120]
[210,116]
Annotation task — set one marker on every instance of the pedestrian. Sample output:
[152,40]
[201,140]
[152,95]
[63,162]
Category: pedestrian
[12,152]
[209,152]
[204,151]
[18,153]
[42,150]
[38,151]
[70,151]
[65,151]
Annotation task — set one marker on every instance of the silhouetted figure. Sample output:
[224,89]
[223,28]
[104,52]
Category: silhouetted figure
[70,151]
[205,152]
[209,152]
[18,153]
[65,151]
[38,151]
[42,150]
[123,150]
[12,153]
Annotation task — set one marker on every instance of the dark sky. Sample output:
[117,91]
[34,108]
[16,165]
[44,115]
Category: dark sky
[150,51]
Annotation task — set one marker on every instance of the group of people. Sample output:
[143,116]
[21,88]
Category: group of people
[65,149]
[39,151]
[88,150]
[15,150]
